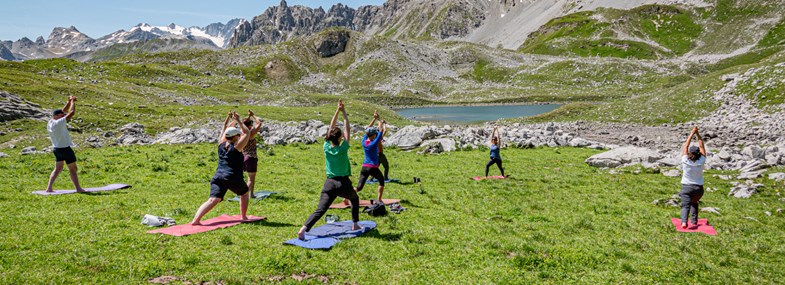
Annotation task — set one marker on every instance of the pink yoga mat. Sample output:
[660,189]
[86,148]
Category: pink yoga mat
[220,222]
[89,190]
[363,203]
[478,178]
[702,227]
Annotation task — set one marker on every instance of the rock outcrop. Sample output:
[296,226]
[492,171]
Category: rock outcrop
[15,108]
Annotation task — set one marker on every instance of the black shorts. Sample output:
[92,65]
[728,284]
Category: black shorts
[365,172]
[219,186]
[65,154]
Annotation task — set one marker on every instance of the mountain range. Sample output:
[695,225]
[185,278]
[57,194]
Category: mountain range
[495,23]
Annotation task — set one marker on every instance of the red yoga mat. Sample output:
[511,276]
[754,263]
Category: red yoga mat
[363,203]
[702,227]
[478,178]
[220,222]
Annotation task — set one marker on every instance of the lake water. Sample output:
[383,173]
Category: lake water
[474,114]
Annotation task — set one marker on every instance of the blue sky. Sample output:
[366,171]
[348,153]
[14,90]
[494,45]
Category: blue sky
[96,18]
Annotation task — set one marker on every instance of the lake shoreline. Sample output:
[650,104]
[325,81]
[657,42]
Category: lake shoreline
[403,107]
[474,114]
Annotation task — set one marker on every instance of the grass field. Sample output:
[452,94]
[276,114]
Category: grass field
[555,221]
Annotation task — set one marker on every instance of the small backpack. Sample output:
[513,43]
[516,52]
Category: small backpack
[376,209]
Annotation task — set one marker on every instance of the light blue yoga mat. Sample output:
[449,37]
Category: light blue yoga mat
[327,235]
[257,195]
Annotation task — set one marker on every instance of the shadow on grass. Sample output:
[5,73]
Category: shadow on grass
[266,223]
[387,236]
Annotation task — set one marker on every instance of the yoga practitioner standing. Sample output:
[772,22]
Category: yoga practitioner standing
[250,159]
[371,141]
[693,159]
[496,158]
[229,174]
[336,156]
[61,142]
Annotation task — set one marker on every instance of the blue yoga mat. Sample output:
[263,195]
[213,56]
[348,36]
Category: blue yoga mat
[258,195]
[374,181]
[326,236]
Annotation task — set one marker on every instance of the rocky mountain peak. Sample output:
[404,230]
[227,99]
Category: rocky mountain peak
[40,40]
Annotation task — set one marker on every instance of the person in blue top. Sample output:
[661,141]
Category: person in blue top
[496,158]
[693,159]
[371,140]
[229,173]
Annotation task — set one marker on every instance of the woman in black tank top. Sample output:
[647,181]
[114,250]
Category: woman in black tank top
[229,173]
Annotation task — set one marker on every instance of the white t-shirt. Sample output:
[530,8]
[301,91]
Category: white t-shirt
[692,171]
[58,133]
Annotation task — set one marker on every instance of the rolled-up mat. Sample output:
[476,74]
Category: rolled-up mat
[327,235]
[109,187]
[220,222]
[363,203]
[478,178]
[702,227]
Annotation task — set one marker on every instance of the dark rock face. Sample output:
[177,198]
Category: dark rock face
[6,54]
[15,108]
[332,43]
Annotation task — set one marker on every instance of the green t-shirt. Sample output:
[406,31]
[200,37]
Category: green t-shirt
[337,159]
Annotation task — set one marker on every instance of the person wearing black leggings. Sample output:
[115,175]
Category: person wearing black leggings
[496,158]
[338,184]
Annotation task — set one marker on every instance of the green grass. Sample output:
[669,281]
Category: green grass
[556,221]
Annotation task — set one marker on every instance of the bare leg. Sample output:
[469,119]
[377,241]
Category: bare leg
[301,233]
[244,205]
[74,177]
[251,182]
[204,209]
[381,191]
[53,176]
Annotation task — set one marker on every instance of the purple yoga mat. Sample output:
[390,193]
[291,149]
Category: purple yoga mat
[89,190]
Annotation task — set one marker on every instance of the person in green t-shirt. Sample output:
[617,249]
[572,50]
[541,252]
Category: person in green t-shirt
[338,184]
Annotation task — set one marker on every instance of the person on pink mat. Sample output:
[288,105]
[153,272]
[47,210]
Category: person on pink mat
[693,159]
[229,173]
[496,157]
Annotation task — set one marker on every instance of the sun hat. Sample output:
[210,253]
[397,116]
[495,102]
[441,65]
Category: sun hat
[231,132]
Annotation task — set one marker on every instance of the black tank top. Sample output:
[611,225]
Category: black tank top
[230,162]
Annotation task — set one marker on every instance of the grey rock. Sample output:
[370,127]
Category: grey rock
[750,174]
[15,108]
[28,150]
[3,155]
[711,210]
[673,201]
[432,147]
[622,156]
[133,134]
[447,144]
[779,176]
[754,152]
[331,42]
[724,154]
[744,190]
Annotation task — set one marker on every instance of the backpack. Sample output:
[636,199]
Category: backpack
[376,209]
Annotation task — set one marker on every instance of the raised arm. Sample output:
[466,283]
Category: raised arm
[700,142]
[222,138]
[375,117]
[257,126]
[71,108]
[67,106]
[382,127]
[334,121]
[347,128]
[237,121]
[685,148]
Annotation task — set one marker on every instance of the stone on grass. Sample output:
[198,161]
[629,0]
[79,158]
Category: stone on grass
[623,156]
[28,150]
[3,155]
[779,176]
[672,173]
[745,190]
[711,210]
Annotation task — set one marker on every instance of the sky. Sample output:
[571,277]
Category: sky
[96,18]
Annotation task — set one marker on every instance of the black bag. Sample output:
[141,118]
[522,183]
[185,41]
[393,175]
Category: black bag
[376,209]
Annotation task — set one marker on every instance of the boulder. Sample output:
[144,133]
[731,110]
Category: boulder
[28,150]
[432,147]
[188,136]
[724,154]
[15,108]
[410,137]
[133,133]
[3,155]
[711,210]
[673,201]
[750,175]
[779,176]
[744,190]
[754,152]
[622,156]
[447,144]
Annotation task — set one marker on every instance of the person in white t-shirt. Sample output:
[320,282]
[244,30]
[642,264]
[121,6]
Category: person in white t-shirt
[61,143]
[693,159]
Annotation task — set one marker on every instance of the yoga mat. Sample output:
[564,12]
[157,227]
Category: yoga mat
[257,195]
[89,190]
[327,235]
[702,227]
[374,181]
[222,221]
[478,178]
[363,203]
